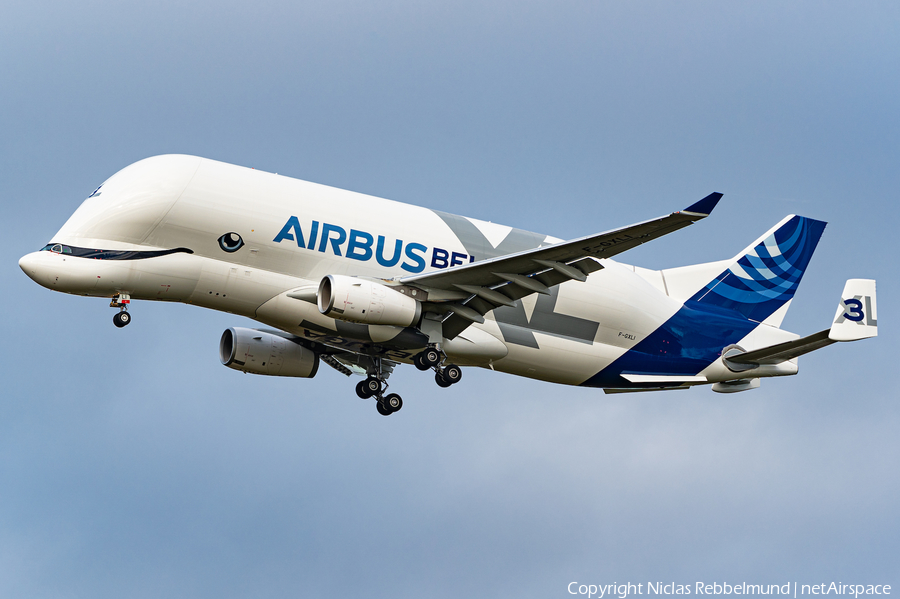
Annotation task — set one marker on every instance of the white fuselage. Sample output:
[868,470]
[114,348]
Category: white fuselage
[171,202]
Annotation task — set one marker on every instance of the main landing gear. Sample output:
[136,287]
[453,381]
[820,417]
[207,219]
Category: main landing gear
[432,358]
[122,318]
[374,386]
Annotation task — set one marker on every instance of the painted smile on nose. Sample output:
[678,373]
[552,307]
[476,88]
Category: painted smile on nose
[76,269]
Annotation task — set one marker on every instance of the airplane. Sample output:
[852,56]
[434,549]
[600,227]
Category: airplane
[366,284]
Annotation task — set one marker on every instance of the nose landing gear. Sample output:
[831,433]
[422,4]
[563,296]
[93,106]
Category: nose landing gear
[122,318]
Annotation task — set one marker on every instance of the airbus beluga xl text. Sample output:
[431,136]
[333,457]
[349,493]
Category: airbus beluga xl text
[365,284]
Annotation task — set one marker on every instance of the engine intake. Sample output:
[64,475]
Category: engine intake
[261,352]
[359,300]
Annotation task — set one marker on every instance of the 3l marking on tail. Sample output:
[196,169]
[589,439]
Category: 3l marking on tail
[853,310]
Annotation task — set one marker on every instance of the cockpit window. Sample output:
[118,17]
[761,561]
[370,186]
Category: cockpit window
[58,248]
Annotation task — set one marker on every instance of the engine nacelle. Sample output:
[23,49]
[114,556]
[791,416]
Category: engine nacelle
[259,352]
[359,300]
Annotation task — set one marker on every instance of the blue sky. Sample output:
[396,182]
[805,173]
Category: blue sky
[135,465]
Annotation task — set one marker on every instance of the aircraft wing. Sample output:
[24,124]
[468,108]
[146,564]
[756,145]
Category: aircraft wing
[488,284]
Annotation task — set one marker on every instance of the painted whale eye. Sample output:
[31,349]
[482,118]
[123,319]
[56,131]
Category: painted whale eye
[231,242]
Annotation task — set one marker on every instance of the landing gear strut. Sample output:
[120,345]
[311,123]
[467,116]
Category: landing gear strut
[122,318]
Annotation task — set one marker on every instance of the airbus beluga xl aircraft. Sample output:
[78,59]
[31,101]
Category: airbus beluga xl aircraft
[365,284]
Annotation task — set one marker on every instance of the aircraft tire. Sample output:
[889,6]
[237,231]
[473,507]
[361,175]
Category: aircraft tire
[393,402]
[121,319]
[362,391]
[383,409]
[430,357]
[417,361]
[452,374]
[372,385]
[441,381]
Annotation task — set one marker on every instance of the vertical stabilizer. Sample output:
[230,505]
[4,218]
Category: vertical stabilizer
[765,276]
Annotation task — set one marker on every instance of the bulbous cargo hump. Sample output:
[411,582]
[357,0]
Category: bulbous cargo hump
[131,203]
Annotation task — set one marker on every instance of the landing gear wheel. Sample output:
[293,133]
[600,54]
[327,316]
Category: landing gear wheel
[121,319]
[372,386]
[362,390]
[393,402]
[417,361]
[441,381]
[382,409]
[430,357]
[452,374]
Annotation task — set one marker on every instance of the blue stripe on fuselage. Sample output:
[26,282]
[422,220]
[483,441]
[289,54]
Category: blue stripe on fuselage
[683,346]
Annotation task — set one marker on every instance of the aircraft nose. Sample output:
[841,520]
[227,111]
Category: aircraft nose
[35,266]
[28,264]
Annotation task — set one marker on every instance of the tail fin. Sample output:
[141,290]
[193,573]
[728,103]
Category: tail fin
[765,276]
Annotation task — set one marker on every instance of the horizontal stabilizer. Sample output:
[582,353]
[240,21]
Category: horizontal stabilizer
[665,382]
[775,354]
[609,391]
[855,319]
[664,379]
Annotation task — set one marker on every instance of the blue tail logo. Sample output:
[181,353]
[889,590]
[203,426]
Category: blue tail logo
[767,275]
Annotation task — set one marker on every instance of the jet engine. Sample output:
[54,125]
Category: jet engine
[260,352]
[359,300]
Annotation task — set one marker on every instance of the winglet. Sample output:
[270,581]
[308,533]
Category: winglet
[704,206]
